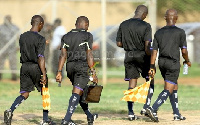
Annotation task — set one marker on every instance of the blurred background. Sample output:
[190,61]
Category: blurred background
[60,16]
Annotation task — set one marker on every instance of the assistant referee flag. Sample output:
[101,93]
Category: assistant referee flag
[138,94]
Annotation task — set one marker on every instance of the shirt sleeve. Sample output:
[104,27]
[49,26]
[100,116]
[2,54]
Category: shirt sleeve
[90,41]
[41,47]
[148,33]
[183,43]
[64,43]
[155,43]
[119,35]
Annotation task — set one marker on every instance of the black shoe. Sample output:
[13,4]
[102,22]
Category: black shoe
[48,122]
[179,117]
[91,120]
[152,114]
[144,112]
[132,117]
[8,117]
[67,123]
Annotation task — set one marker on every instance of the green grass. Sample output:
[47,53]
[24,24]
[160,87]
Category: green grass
[110,99]
[192,72]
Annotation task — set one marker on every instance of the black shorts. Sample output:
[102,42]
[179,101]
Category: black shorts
[169,69]
[30,75]
[136,63]
[78,74]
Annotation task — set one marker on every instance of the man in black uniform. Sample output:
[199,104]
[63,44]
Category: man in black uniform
[76,46]
[169,40]
[32,46]
[134,35]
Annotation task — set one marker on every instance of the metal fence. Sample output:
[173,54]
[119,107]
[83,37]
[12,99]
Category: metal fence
[115,12]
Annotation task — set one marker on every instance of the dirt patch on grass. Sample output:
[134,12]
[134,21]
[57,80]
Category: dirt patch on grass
[165,118]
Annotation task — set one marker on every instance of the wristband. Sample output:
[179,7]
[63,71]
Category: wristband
[59,71]
[152,66]
[187,61]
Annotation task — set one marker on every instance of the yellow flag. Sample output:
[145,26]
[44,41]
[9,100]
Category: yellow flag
[138,94]
[46,98]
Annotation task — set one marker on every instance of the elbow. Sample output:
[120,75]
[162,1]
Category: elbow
[41,60]
[63,55]
[119,44]
[184,52]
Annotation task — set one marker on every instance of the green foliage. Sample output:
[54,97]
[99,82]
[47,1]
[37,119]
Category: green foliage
[181,6]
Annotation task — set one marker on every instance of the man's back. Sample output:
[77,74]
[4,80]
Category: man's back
[169,40]
[133,33]
[77,41]
[31,45]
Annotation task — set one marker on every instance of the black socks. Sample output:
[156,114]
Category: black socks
[161,99]
[17,102]
[130,106]
[150,94]
[174,102]
[84,106]
[73,102]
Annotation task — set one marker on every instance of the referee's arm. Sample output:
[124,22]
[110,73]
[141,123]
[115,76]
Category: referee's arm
[154,53]
[119,44]
[90,61]
[119,37]
[62,59]
[147,47]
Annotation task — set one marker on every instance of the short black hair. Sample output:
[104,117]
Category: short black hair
[36,20]
[141,9]
[82,18]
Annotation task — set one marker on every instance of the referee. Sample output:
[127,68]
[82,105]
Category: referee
[76,47]
[32,46]
[134,35]
[169,40]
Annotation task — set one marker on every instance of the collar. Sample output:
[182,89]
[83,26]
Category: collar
[77,30]
[34,32]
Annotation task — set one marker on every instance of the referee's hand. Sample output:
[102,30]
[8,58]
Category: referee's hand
[43,79]
[95,79]
[188,63]
[152,72]
[59,77]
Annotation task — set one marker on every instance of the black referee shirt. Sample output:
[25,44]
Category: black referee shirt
[77,42]
[32,45]
[133,33]
[169,40]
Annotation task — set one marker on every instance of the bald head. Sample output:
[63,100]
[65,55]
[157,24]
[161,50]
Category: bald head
[37,20]
[141,9]
[171,16]
[141,12]
[171,12]
[81,19]
[82,22]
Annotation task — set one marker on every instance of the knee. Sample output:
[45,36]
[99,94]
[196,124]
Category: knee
[77,91]
[26,95]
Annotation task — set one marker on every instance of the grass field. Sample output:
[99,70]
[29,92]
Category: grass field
[110,104]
